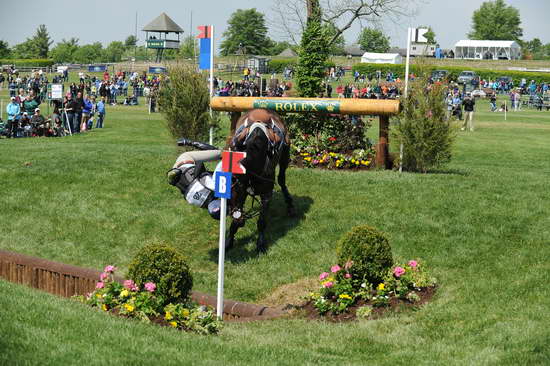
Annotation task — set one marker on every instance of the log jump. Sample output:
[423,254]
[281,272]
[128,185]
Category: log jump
[384,108]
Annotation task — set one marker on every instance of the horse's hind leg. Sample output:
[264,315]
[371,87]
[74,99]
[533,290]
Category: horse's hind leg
[283,165]
[261,243]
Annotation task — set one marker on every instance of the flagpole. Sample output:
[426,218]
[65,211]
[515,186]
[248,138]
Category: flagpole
[406,91]
[211,140]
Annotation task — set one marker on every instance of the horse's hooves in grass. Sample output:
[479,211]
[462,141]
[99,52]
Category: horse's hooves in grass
[261,246]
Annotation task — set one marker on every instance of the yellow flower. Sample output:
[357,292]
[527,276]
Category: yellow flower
[98,296]
[345,296]
[332,154]
[104,307]
[124,293]
[185,313]
[129,308]
[381,287]
[168,316]
[174,324]
[307,159]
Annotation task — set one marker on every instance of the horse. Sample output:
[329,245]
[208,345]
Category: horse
[262,134]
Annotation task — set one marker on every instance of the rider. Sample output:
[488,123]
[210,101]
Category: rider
[193,180]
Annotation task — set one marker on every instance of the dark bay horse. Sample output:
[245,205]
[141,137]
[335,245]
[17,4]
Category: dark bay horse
[262,134]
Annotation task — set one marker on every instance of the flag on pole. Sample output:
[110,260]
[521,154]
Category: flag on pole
[205,37]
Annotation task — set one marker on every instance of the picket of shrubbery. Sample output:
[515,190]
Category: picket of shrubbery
[367,277]
[157,291]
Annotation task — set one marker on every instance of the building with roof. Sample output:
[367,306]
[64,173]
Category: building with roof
[487,50]
[161,27]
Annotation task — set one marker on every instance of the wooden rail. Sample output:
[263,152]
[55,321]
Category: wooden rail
[384,108]
[66,280]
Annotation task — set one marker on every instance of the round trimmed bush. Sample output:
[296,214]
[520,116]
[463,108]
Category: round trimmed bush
[370,252]
[166,267]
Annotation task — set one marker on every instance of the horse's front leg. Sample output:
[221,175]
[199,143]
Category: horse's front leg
[237,201]
[261,243]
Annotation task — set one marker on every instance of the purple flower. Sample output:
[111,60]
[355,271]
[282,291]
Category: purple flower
[413,264]
[323,275]
[398,271]
[150,286]
[109,269]
[103,276]
[328,284]
[99,285]
[347,275]
[335,268]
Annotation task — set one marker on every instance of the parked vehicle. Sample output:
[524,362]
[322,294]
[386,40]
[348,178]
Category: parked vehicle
[479,94]
[466,77]
[439,75]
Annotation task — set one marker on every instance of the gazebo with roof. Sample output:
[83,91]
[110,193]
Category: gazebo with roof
[157,33]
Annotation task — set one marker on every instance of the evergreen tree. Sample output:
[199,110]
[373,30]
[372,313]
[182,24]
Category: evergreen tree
[41,42]
[313,55]
[495,20]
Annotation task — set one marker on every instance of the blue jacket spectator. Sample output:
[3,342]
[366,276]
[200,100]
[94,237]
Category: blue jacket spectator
[13,109]
[87,108]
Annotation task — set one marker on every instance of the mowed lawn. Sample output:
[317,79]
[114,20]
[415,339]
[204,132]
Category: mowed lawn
[482,224]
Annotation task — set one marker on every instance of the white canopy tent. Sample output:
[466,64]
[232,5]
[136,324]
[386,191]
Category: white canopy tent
[381,58]
[487,50]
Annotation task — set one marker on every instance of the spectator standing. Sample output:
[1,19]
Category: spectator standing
[100,108]
[493,102]
[469,105]
[30,104]
[79,106]
[13,110]
[86,111]
[70,107]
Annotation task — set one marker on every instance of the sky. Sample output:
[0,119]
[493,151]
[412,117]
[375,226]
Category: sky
[114,20]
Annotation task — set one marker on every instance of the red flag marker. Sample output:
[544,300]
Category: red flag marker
[231,162]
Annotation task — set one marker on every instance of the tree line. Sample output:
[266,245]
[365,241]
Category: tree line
[247,34]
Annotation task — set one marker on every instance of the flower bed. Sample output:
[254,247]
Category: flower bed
[130,301]
[343,297]
[335,142]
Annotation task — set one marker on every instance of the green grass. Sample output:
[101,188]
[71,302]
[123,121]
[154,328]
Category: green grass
[482,224]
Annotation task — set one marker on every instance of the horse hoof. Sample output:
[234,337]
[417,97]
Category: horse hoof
[261,246]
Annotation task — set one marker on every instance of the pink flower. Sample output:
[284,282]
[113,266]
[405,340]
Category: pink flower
[398,271]
[348,265]
[347,275]
[130,285]
[109,269]
[99,285]
[328,284]
[323,275]
[413,264]
[335,268]
[103,276]
[150,286]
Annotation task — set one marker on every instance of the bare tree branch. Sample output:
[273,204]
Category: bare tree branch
[290,15]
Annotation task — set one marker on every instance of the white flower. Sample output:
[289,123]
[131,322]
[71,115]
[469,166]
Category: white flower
[364,285]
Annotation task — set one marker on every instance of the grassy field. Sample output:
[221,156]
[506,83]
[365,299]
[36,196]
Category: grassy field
[482,224]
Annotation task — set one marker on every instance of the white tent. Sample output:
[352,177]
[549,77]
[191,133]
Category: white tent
[381,58]
[487,50]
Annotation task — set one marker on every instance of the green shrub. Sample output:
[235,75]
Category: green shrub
[185,102]
[370,252]
[454,71]
[279,65]
[27,62]
[422,127]
[164,266]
